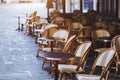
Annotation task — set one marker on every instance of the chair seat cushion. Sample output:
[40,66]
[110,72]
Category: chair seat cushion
[88,77]
[49,49]
[69,68]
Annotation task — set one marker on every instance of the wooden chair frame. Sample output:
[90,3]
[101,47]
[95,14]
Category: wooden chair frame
[81,52]
[116,45]
[101,60]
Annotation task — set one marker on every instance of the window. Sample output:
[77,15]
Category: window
[72,5]
[89,4]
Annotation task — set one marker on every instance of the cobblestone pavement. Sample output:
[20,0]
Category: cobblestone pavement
[17,51]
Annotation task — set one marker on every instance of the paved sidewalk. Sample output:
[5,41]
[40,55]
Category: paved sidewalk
[17,51]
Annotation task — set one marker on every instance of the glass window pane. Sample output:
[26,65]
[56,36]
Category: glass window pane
[72,5]
[89,4]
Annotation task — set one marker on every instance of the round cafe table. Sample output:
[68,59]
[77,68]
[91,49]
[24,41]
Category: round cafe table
[56,57]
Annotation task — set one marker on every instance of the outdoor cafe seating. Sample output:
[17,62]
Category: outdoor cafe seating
[78,32]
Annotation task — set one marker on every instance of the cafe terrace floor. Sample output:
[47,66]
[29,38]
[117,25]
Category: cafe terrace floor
[18,51]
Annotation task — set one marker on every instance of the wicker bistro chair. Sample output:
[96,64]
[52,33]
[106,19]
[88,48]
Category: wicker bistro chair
[49,30]
[81,52]
[59,21]
[85,34]
[99,25]
[76,15]
[63,34]
[101,39]
[33,14]
[29,19]
[116,44]
[75,26]
[53,15]
[45,27]
[30,25]
[30,16]
[46,32]
[104,60]
[66,46]
[39,27]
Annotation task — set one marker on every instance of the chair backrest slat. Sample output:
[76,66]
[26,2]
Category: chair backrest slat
[82,52]
[104,59]
[62,34]
[68,43]
[82,48]
[102,33]
[116,45]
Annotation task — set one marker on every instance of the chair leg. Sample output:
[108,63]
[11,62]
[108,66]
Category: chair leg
[52,68]
[38,50]
[117,66]
[107,75]
[64,76]
[60,76]
[26,30]
[115,75]
[36,37]
[43,63]
[84,64]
